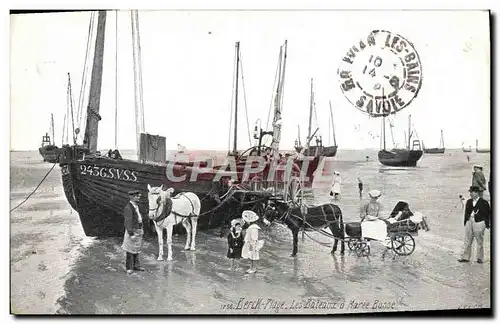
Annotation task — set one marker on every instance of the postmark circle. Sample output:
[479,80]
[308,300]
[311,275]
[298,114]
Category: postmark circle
[382,74]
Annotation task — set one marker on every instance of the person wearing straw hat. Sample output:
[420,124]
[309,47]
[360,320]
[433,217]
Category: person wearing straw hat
[478,179]
[476,220]
[132,239]
[335,186]
[234,242]
[372,225]
[371,210]
[252,244]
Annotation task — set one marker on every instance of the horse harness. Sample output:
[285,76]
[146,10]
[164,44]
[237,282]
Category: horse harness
[167,210]
[289,213]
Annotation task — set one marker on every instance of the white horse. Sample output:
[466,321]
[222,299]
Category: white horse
[166,212]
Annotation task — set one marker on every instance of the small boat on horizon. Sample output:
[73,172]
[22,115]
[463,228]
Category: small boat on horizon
[318,149]
[435,150]
[478,150]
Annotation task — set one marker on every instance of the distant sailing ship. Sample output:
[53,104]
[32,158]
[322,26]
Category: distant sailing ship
[400,157]
[478,150]
[49,150]
[181,148]
[466,150]
[436,150]
[318,149]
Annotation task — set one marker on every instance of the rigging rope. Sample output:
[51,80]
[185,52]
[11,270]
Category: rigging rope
[391,125]
[232,103]
[43,179]
[245,99]
[273,92]
[316,119]
[282,84]
[72,105]
[86,67]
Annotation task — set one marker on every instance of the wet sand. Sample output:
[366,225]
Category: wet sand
[315,282]
[45,239]
[55,269]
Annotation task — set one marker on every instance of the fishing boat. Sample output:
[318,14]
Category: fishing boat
[181,148]
[49,150]
[96,185]
[466,150]
[436,150]
[478,150]
[318,149]
[407,157]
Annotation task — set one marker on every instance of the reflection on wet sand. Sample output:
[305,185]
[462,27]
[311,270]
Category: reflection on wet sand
[47,241]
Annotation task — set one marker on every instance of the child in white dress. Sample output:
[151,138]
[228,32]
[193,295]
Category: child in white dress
[252,243]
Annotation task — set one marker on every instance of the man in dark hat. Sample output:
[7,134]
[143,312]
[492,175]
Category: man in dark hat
[132,240]
[476,220]
[478,179]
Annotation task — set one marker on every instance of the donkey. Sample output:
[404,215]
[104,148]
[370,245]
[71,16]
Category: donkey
[166,212]
[326,215]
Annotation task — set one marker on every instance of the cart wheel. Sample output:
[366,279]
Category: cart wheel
[403,244]
[351,244]
[294,192]
[362,249]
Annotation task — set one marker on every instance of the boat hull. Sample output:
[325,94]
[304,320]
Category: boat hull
[97,188]
[400,158]
[434,150]
[50,153]
[326,151]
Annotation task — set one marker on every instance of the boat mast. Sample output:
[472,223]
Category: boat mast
[333,125]
[298,138]
[383,119]
[63,130]
[442,139]
[70,98]
[139,108]
[278,101]
[383,132]
[310,114]
[52,126]
[116,79]
[409,131]
[93,117]
[235,143]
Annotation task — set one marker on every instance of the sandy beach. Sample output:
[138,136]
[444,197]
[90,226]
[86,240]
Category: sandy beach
[55,269]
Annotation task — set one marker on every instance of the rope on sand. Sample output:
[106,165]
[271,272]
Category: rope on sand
[43,179]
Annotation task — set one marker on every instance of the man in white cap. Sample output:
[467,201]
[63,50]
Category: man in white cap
[132,239]
[478,179]
[252,243]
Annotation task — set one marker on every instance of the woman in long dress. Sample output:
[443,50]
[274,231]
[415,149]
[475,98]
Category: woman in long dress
[335,186]
[371,224]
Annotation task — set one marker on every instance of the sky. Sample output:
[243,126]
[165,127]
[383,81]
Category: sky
[188,67]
